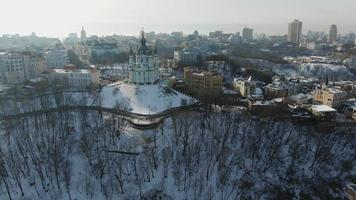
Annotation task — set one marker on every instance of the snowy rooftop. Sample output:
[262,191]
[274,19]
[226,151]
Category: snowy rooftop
[323,108]
[143,99]
[83,71]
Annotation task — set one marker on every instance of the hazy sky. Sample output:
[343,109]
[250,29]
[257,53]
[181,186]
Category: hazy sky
[102,17]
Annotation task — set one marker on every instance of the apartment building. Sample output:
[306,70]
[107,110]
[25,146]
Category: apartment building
[18,67]
[330,96]
[204,83]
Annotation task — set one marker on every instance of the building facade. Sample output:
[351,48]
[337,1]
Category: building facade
[143,64]
[18,67]
[34,65]
[203,84]
[295,31]
[56,58]
[332,97]
[12,68]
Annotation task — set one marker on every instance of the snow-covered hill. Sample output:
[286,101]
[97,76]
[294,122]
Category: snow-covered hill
[143,99]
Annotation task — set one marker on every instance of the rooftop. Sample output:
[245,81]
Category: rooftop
[322,108]
[83,71]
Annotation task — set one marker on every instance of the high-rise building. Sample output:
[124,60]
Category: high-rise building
[83,34]
[247,33]
[295,31]
[333,33]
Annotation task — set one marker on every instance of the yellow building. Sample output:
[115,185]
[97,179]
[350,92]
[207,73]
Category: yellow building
[332,97]
[204,84]
[245,86]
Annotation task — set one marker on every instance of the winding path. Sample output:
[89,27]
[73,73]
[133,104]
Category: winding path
[138,120]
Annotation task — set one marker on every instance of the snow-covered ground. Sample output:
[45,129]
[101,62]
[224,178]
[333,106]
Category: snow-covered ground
[139,99]
[193,156]
[143,99]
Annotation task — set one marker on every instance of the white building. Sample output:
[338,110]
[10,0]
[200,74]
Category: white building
[56,58]
[323,111]
[76,78]
[143,64]
[295,31]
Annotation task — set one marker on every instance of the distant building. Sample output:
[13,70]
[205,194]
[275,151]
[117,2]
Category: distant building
[278,39]
[99,48]
[217,65]
[76,78]
[350,38]
[295,31]
[177,35]
[203,84]
[236,38]
[83,34]
[143,64]
[190,56]
[216,34]
[56,58]
[332,97]
[333,33]
[73,36]
[247,33]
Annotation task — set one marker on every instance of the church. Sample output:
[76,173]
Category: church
[143,64]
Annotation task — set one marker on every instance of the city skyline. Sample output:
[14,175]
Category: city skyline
[58,18]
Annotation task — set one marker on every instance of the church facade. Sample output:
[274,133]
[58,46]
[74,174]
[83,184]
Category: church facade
[143,64]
